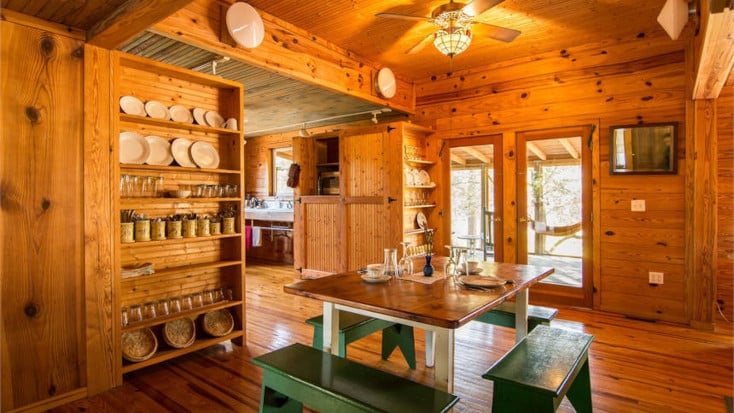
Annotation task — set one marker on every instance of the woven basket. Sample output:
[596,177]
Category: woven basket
[139,345]
[218,323]
[179,333]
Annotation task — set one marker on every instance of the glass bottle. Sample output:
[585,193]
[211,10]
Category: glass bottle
[390,264]
[406,263]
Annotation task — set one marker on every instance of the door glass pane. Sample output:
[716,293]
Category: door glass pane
[554,208]
[472,200]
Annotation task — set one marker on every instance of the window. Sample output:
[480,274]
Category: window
[282,159]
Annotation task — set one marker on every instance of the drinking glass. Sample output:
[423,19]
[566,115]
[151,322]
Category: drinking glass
[149,310]
[174,305]
[218,295]
[390,264]
[406,263]
[228,294]
[125,320]
[187,302]
[163,308]
[208,297]
[197,299]
[135,314]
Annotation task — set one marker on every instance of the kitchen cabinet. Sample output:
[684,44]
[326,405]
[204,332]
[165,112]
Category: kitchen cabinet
[211,258]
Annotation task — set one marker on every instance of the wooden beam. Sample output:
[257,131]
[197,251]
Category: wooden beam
[455,158]
[287,50]
[482,157]
[130,19]
[716,52]
[569,148]
[536,150]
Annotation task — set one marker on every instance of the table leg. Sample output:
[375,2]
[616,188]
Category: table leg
[521,315]
[331,328]
[444,368]
[430,349]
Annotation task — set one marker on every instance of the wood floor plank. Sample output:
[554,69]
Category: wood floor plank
[636,366]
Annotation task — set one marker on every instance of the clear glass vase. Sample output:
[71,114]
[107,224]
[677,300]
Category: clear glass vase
[390,263]
[406,263]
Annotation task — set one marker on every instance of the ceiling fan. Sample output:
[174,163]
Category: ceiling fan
[453,21]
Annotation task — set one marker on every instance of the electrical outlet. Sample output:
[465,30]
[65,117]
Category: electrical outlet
[655,277]
[638,205]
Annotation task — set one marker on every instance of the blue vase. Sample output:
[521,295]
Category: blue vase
[428,268]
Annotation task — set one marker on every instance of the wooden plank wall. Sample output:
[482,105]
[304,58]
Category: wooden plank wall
[631,81]
[41,153]
[258,156]
[725,200]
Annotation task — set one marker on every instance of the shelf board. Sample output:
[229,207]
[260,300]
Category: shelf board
[188,313]
[175,168]
[173,270]
[132,203]
[178,125]
[144,244]
[421,186]
[419,206]
[420,161]
[417,231]
[167,354]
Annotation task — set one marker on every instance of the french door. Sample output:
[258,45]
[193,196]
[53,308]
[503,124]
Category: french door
[554,211]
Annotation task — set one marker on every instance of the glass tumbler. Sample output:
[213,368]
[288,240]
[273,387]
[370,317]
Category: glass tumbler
[406,263]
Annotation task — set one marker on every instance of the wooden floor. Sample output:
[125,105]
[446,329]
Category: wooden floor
[636,366]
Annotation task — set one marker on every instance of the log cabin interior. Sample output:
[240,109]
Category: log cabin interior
[540,83]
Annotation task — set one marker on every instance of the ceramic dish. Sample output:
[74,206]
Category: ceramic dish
[180,114]
[424,178]
[160,151]
[421,220]
[134,148]
[480,281]
[375,280]
[245,25]
[180,149]
[408,177]
[157,110]
[199,116]
[132,106]
[139,345]
[204,155]
[214,119]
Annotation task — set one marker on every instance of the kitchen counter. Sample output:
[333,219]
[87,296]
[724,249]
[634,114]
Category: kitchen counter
[269,214]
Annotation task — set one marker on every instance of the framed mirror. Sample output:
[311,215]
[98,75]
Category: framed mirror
[643,149]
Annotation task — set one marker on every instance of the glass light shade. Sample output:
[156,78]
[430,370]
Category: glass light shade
[452,42]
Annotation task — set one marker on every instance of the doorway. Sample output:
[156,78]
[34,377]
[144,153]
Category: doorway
[554,209]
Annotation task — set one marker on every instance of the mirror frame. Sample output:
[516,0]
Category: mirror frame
[673,148]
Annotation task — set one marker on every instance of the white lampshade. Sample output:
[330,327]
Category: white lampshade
[673,17]
[452,41]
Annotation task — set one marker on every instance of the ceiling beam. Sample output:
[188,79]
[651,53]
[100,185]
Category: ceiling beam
[455,158]
[536,150]
[130,19]
[716,50]
[475,153]
[569,148]
[287,50]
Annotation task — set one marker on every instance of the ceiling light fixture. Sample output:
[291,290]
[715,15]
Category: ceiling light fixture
[453,42]
[303,132]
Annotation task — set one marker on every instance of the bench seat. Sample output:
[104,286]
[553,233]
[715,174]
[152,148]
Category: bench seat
[352,327]
[504,315]
[299,375]
[535,375]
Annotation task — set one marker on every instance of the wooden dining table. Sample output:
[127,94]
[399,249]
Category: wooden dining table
[439,305]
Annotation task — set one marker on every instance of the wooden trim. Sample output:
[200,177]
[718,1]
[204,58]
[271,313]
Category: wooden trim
[715,51]
[36,23]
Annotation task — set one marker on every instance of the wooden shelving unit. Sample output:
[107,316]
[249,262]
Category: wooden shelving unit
[183,266]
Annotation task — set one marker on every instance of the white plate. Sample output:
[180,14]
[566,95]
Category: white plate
[480,281]
[376,280]
[425,179]
[180,149]
[420,219]
[180,114]
[199,116]
[204,155]
[157,110]
[408,177]
[132,106]
[133,148]
[160,151]
[245,25]
[214,119]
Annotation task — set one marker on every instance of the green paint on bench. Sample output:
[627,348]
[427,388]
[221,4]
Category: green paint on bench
[504,315]
[299,375]
[539,370]
[352,327]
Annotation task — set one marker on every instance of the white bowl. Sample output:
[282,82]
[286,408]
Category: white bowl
[374,270]
[181,193]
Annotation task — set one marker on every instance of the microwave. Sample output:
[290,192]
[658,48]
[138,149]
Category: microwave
[328,183]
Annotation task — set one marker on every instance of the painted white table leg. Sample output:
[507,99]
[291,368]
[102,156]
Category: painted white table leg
[521,315]
[331,328]
[430,352]
[444,352]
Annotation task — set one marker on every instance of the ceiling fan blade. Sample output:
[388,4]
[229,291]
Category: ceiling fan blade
[477,7]
[401,16]
[502,34]
[420,45]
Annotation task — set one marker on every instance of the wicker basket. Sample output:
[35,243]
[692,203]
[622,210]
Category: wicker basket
[139,345]
[179,333]
[218,323]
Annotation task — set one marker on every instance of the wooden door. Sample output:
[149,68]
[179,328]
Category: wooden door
[41,150]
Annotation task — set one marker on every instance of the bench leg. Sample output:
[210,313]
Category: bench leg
[398,335]
[273,402]
[318,341]
[509,398]
[580,392]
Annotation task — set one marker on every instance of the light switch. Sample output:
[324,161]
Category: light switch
[638,205]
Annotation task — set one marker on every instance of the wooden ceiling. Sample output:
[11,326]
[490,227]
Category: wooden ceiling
[547,26]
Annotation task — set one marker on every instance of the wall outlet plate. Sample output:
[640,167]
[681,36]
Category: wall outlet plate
[638,205]
[655,277]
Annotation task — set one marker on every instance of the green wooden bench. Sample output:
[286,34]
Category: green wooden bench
[299,375]
[504,315]
[352,327]
[546,365]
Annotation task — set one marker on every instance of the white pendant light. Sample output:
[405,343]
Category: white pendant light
[245,25]
[673,17]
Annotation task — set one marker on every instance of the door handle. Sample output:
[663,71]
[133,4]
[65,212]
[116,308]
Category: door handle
[391,199]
